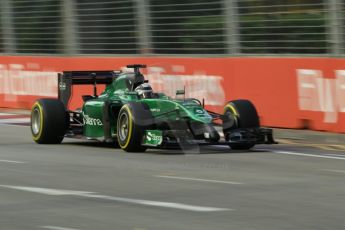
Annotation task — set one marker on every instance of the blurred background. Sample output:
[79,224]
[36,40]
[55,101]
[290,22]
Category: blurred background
[285,56]
[172,27]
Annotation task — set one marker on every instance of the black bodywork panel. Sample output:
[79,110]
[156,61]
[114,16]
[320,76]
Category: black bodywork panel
[67,79]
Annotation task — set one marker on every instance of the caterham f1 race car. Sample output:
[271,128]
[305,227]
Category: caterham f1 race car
[130,114]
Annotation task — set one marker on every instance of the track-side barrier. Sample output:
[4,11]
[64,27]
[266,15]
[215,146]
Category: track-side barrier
[288,92]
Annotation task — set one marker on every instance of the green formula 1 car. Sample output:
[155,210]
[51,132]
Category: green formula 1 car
[130,114]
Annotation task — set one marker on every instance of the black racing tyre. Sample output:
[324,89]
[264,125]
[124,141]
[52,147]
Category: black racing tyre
[240,114]
[48,121]
[133,119]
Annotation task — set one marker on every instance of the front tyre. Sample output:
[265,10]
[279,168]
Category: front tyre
[240,114]
[48,121]
[129,133]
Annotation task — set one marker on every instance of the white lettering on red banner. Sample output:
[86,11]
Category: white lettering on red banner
[199,85]
[16,79]
[320,94]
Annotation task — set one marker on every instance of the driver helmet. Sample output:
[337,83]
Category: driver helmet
[144,90]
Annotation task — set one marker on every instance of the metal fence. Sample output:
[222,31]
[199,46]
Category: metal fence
[173,27]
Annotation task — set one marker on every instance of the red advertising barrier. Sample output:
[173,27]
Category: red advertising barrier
[288,92]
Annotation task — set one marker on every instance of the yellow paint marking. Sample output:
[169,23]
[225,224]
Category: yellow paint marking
[339,147]
[285,141]
[325,147]
[328,147]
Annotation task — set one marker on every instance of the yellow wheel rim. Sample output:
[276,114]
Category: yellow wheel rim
[37,121]
[125,127]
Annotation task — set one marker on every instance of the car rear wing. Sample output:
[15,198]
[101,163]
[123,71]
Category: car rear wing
[67,79]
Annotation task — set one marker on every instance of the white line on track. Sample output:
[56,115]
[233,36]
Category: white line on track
[335,155]
[57,228]
[56,192]
[199,179]
[15,125]
[10,161]
[303,154]
[309,155]
[47,191]
[15,120]
[334,170]
[187,207]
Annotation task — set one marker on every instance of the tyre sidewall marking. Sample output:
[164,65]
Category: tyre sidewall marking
[38,136]
[232,109]
[130,127]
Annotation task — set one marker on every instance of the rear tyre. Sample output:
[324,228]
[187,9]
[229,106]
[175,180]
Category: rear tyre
[240,114]
[132,121]
[48,121]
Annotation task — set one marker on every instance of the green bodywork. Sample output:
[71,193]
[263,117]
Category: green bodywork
[120,92]
[153,137]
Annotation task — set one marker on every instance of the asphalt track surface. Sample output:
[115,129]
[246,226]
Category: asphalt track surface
[85,185]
